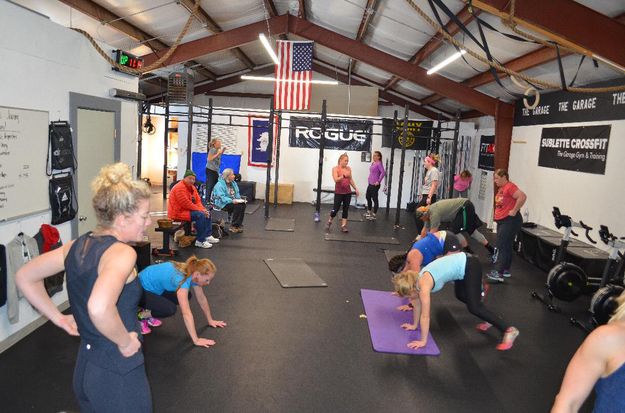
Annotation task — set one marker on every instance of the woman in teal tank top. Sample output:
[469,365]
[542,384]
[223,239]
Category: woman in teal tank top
[598,363]
[466,273]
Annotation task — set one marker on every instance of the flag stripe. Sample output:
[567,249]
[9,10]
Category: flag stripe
[293,75]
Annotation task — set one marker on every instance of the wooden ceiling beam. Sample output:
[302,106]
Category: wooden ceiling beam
[567,22]
[213,27]
[106,17]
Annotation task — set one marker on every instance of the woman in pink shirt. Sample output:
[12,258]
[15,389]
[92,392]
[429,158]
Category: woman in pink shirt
[508,201]
[343,183]
[462,183]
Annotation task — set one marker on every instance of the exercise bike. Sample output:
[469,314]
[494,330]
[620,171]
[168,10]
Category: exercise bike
[566,281]
[603,302]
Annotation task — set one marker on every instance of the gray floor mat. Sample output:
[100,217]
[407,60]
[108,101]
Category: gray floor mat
[280,224]
[361,238]
[294,273]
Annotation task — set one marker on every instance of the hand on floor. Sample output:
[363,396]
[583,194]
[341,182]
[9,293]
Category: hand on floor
[405,307]
[204,342]
[217,323]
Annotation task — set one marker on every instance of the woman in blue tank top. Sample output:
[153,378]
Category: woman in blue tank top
[599,362]
[103,291]
[466,273]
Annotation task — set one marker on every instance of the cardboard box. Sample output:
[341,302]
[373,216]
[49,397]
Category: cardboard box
[285,193]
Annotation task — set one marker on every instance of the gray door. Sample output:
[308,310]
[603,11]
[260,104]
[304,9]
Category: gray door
[95,148]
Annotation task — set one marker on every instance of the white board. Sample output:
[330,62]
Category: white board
[23,150]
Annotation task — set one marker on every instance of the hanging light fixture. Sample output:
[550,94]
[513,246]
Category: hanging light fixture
[447,61]
[269,49]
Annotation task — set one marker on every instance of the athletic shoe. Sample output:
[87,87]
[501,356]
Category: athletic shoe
[178,234]
[212,240]
[508,339]
[493,258]
[145,328]
[495,276]
[204,244]
[154,322]
[236,230]
[371,217]
[483,326]
[344,228]
[506,274]
[367,214]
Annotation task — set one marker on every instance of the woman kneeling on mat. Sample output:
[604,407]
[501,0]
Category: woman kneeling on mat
[342,175]
[466,272]
[599,362]
[167,285]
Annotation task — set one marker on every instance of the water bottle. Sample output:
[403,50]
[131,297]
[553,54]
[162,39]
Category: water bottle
[526,215]
[316,217]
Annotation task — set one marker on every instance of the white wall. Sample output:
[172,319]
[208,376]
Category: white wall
[594,199]
[42,63]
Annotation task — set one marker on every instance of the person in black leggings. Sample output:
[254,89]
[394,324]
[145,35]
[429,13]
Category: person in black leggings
[466,272]
[343,183]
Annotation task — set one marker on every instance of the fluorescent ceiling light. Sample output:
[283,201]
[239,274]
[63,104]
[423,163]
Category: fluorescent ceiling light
[273,79]
[447,61]
[265,43]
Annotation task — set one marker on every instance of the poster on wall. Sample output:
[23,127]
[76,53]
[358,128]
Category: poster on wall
[581,149]
[341,134]
[258,140]
[486,160]
[417,131]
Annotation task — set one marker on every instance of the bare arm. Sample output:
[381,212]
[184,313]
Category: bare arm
[585,368]
[29,279]
[520,199]
[217,154]
[183,300]
[433,190]
[337,174]
[352,183]
[115,269]
[203,302]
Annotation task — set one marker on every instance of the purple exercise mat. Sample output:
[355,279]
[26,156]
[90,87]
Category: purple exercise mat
[384,325]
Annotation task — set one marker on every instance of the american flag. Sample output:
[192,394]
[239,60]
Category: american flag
[293,75]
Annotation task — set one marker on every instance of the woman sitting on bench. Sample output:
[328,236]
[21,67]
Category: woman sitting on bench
[226,196]
[167,285]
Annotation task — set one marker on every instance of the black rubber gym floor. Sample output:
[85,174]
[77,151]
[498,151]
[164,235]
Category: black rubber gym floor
[308,350]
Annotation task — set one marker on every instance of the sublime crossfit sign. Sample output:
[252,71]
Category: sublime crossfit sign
[341,134]
[582,149]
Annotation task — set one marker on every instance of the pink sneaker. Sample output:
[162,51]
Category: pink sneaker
[508,339]
[145,328]
[154,322]
[483,326]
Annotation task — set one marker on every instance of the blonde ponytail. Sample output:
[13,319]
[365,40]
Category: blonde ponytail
[192,265]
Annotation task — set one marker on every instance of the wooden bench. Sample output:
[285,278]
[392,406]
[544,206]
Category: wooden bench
[166,250]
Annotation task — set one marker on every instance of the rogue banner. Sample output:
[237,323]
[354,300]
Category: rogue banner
[341,134]
[581,149]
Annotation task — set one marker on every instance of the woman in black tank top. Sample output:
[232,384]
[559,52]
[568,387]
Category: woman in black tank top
[103,291]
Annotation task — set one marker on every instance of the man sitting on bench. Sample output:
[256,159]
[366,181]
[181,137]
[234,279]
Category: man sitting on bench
[185,205]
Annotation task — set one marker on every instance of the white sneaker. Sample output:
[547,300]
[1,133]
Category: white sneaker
[204,244]
[212,240]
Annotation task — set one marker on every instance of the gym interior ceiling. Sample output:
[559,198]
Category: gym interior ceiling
[387,44]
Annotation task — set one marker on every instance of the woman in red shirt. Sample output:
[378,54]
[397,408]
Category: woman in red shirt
[508,202]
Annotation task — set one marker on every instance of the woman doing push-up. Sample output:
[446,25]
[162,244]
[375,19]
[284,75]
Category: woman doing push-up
[466,272]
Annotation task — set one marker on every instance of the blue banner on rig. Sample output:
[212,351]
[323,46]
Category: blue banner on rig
[340,134]
[258,140]
[581,149]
